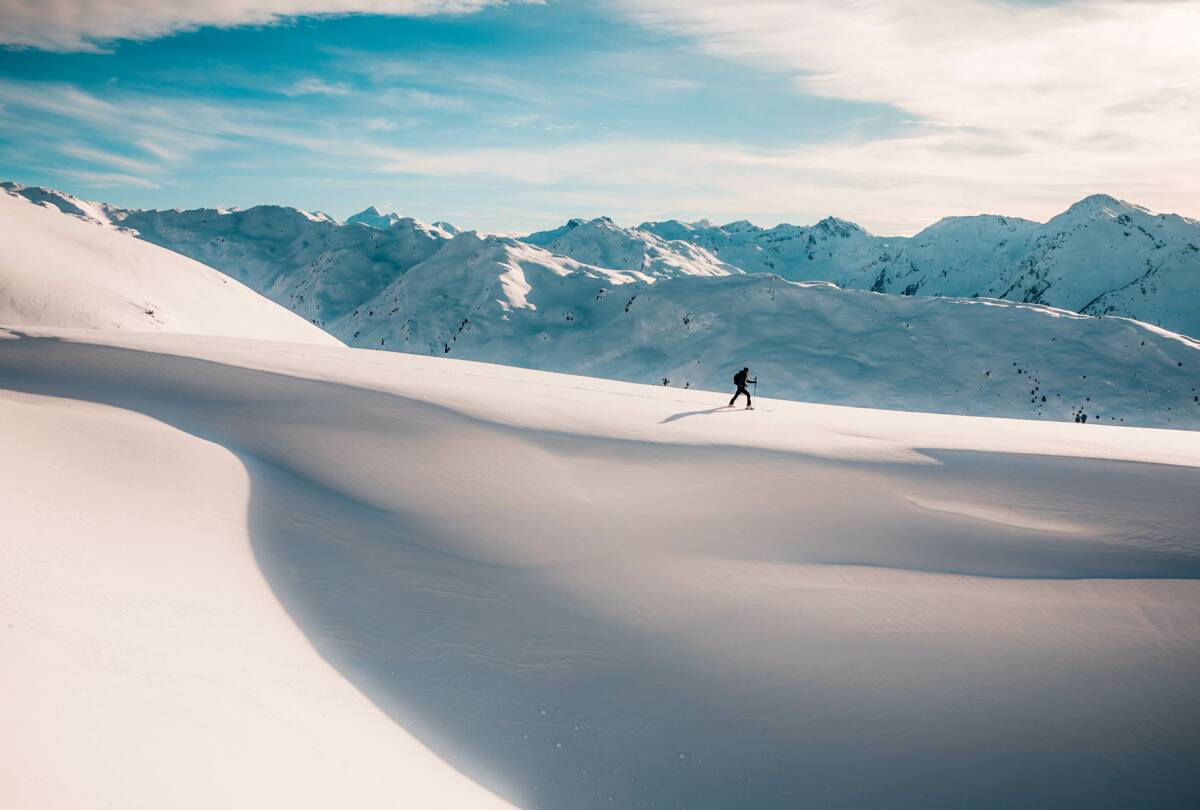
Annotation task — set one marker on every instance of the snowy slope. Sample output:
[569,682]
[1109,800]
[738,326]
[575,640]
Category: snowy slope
[58,270]
[315,267]
[577,593]
[500,301]
[1102,244]
[832,250]
[98,213]
[147,663]
[307,262]
[1101,256]
[603,243]
[498,280]
[959,256]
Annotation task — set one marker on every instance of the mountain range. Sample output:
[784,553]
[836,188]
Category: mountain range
[1101,256]
[683,305]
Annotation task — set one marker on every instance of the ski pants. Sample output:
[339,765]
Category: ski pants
[741,390]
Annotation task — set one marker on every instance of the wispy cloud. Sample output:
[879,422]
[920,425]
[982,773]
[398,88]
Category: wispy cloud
[76,25]
[316,87]
[105,179]
[93,155]
[892,185]
[161,151]
[380,124]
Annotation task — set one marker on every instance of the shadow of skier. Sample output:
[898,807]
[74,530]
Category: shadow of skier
[685,414]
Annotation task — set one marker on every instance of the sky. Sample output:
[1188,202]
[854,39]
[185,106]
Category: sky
[515,116]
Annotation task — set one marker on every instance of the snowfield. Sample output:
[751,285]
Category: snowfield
[239,573]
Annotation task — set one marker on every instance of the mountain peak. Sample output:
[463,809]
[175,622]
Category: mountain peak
[839,227]
[1095,204]
[373,217]
[740,226]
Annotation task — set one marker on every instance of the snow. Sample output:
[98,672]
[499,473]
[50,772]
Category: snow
[1100,256]
[476,273]
[373,217]
[66,271]
[603,243]
[311,265]
[571,592]
[147,662]
[811,342]
[635,307]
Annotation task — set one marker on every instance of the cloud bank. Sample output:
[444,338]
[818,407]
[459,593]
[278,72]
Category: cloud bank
[76,25]
[1068,98]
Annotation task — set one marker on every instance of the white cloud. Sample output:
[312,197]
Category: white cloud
[316,87]
[93,155]
[892,185]
[379,124]
[1021,103]
[73,25]
[106,179]
[160,151]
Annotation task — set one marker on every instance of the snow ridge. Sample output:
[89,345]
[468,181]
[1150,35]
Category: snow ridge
[603,243]
[1102,256]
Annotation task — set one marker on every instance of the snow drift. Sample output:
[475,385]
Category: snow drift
[577,593]
[58,270]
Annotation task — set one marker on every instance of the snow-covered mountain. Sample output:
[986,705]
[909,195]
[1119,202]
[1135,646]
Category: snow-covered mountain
[603,243]
[498,280]
[502,301]
[311,265]
[374,218]
[307,262]
[67,271]
[1101,256]
[646,310]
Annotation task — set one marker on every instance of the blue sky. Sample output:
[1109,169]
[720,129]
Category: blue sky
[518,116]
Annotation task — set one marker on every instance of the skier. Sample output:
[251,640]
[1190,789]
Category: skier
[740,380]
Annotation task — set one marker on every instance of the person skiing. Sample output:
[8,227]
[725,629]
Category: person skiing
[740,380]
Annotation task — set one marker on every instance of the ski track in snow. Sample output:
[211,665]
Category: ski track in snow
[582,593]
